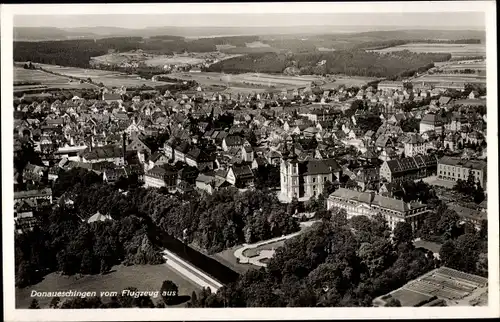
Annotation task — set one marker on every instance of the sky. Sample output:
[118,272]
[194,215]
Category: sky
[455,20]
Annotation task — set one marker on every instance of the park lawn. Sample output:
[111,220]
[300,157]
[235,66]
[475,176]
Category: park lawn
[227,258]
[142,277]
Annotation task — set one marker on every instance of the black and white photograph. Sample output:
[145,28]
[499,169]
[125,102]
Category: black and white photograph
[321,156]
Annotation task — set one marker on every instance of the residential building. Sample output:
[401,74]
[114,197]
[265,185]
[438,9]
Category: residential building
[240,176]
[370,204]
[161,176]
[415,145]
[232,141]
[431,122]
[107,153]
[390,85]
[36,197]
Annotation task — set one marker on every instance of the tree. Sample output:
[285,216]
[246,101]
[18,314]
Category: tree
[54,303]
[403,233]
[393,303]
[479,194]
[448,254]
[169,291]
[34,304]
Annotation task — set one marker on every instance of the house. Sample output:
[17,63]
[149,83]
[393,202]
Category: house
[161,176]
[455,168]
[232,141]
[24,221]
[240,176]
[415,145]
[473,95]
[410,168]
[99,217]
[451,141]
[390,85]
[273,157]
[111,175]
[383,141]
[369,156]
[141,145]
[368,179]
[473,216]
[431,122]
[205,183]
[134,128]
[387,154]
[108,153]
[112,97]
[35,197]
[444,100]
[34,173]
[199,158]
[157,158]
[247,154]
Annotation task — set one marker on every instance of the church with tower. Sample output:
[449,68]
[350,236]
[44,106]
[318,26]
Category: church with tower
[304,179]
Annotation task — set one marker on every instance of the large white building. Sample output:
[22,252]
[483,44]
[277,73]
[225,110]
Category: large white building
[305,179]
[454,168]
[370,204]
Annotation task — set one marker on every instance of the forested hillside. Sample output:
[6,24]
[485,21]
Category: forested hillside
[353,63]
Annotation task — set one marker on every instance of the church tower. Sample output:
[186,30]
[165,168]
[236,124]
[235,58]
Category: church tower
[289,173]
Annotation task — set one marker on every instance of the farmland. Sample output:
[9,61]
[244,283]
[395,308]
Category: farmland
[107,78]
[456,50]
[259,82]
[452,78]
[247,80]
[349,81]
[28,79]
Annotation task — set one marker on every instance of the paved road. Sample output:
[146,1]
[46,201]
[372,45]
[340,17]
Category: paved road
[191,272]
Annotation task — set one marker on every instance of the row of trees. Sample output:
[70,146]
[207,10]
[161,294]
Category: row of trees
[213,222]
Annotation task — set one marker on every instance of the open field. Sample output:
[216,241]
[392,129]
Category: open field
[169,60]
[161,60]
[44,80]
[108,78]
[451,78]
[477,66]
[456,50]
[254,81]
[349,81]
[142,277]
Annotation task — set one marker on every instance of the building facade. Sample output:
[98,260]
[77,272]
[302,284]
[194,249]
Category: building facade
[454,168]
[305,179]
[411,168]
[370,204]
[415,145]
